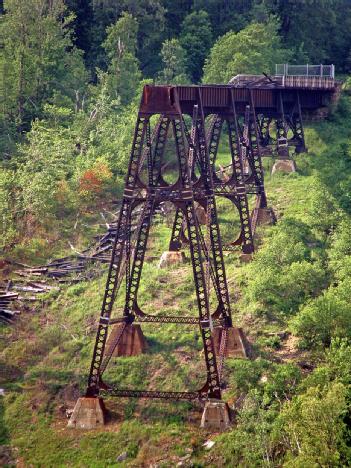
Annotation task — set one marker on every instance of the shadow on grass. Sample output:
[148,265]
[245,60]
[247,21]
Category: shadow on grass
[10,376]
[4,434]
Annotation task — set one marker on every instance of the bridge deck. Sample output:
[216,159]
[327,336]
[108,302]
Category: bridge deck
[264,93]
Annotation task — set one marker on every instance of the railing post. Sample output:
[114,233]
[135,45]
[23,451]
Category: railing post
[313,71]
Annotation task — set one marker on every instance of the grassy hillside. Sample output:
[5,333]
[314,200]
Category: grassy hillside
[291,400]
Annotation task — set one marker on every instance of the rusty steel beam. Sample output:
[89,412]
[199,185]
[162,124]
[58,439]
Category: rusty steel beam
[183,194]
[247,112]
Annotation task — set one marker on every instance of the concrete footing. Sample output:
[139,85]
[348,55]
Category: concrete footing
[132,342]
[89,413]
[215,415]
[237,344]
[284,165]
[170,257]
[201,215]
[245,257]
[265,216]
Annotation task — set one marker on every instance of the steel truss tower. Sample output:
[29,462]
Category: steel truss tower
[183,194]
[197,183]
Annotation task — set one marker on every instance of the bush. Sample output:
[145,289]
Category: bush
[282,275]
[340,252]
[94,181]
[281,384]
[249,443]
[244,374]
[7,207]
[339,360]
[312,428]
[326,317]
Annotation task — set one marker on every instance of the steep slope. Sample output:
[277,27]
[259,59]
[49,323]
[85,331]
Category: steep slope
[293,302]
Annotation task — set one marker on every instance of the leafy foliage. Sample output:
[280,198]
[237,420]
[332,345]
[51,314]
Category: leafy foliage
[306,425]
[196,39]
[71,75]
[36,36]
[283,274]
[253,50]
[326,317]
[120,46]
[174,62]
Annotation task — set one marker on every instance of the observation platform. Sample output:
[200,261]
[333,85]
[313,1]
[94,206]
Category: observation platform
[309,77]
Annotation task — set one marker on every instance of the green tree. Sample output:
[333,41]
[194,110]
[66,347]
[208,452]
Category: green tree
[196,39]
[316,30]
[326,317]
[150,15]
[41,62]
[175,12]
[83,25]
[254,49]
[120,46]
[47,160]
[313,429]
[174,63]
[226,15]
[70,161]
[122,37]
[8,211]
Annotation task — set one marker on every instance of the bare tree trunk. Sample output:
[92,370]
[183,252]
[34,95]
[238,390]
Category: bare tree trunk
[20,99]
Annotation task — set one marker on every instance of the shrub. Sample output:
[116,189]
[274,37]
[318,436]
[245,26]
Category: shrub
[312,427]
[244,374]
[93,181]
[326,317]
[282,275]
[283,289]
[281,384]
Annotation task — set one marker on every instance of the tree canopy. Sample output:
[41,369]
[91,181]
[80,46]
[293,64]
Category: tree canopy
[123,69]
[253,50]
[39,61]
[174,61]
[196,39]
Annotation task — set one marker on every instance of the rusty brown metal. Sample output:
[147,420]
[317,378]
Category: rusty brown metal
[229,102]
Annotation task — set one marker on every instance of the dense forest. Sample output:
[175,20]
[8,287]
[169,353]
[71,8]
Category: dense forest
[71,75]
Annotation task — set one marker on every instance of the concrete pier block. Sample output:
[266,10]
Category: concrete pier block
[284,165]
[245,257]
[201,214]
[215,415]
[170,257]
[89,413]
[237,345]
[265,216]
[132,342]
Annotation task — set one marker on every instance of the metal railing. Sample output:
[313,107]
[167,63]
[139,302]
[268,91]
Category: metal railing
[323,71]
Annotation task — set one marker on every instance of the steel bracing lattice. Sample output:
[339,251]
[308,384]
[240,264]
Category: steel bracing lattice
[247,113]
[183,194]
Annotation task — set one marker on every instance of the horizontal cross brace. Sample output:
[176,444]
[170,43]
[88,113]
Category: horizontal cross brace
[167,319]
[116,392]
